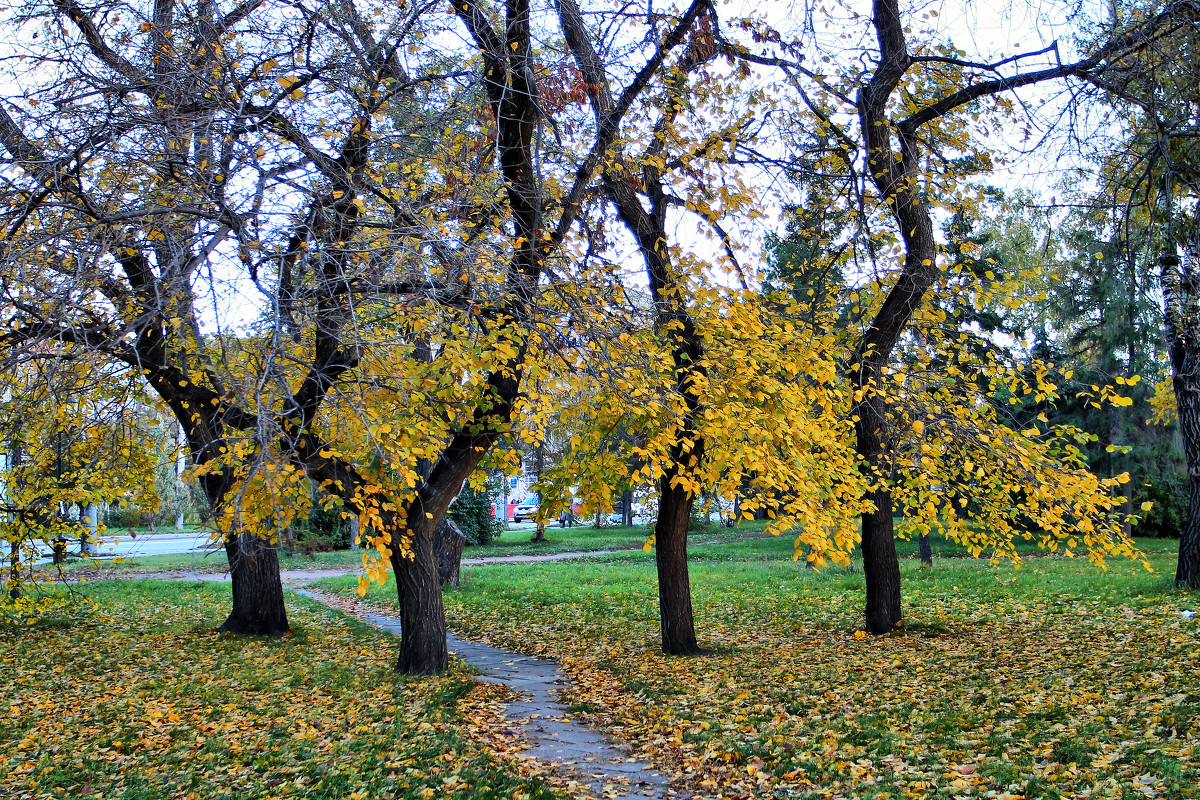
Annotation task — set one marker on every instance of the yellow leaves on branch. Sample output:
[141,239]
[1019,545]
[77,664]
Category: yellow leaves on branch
[1163,408]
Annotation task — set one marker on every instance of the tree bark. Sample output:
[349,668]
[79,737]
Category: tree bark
[881,564]
[1187,570]
[419,592]
[676,618]
[258,607]
[926,549]
[539,534]
[90,517]
[1187,397]
[448,549]
[1181,317]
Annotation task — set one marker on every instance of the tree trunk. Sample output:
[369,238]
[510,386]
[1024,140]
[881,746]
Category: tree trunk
[91,525]
[1187,572]
[627,507]
[1181,328]
[419,591]
[448,549]
[926,550]
[539,535]
[258,608]
[881,564]
[14,570]
[670,556]
[1187,398]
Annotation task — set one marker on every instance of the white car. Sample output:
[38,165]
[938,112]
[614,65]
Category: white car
[526,509]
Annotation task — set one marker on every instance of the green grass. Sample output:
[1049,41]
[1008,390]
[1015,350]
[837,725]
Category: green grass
[210,562]
[1052,680]
[138,697]
[585,538]
[581,538]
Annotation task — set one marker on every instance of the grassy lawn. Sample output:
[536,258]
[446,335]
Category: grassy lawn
[213,561]
[1052,680]
[140,699]
[746,541]
[581,538]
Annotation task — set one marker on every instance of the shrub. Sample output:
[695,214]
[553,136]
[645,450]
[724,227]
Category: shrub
[1165,518]
[123,517]
[472,512]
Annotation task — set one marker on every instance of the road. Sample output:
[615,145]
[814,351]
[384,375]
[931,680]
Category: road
[162,544]
[141,544]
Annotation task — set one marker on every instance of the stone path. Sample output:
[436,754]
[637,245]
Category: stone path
[592,758]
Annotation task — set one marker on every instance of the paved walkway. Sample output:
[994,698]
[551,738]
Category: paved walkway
[589,756]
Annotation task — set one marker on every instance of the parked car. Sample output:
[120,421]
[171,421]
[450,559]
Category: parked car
[526,509]
[641,515]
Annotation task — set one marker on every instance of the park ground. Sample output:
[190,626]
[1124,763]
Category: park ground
[1051,680]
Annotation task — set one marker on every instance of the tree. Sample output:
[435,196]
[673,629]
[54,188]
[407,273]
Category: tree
[73,442]
[348,178]
[1101,322]
[201,155]
[916,100]
[672,318]
[1151,182]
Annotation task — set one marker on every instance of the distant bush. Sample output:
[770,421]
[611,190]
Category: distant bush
[1165,518]
[472,512]
[124,517]
[323,529]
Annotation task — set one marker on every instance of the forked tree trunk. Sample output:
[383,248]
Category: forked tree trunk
[258,608]
[419,592]
[673,320]
[670,556]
